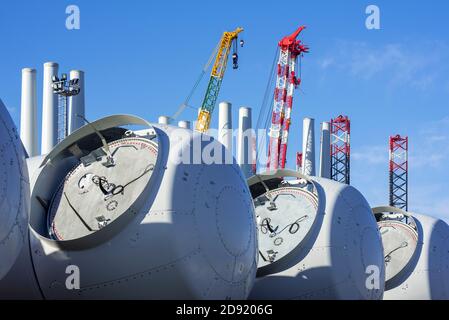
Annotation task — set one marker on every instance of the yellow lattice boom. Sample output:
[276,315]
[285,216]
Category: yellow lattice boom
[219,67]
[218,71]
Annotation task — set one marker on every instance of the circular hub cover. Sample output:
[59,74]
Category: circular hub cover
[400,241]
[284,217]
[95,194]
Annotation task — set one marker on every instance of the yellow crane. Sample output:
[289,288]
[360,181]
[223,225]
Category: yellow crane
[216,78]
[221,54]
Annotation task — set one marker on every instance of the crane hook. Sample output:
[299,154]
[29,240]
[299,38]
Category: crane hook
[235,61]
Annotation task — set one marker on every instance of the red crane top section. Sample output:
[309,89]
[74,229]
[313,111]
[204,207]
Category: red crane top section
[343,123]
[398,138]
[294,46]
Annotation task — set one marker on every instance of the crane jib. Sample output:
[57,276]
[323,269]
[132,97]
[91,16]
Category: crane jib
[286,82]
[217,74]
[211,94]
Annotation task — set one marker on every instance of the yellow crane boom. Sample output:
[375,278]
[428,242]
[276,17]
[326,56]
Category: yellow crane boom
[216,78]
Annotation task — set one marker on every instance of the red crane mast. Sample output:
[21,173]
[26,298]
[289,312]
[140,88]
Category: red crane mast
[286,82]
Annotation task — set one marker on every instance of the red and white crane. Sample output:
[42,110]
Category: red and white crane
[287,81]
[399,172]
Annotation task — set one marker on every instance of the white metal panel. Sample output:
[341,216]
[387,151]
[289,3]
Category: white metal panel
[14,193]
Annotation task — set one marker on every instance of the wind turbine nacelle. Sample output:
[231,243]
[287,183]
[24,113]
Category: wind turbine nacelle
[127,220]
[317,240]
[416,250]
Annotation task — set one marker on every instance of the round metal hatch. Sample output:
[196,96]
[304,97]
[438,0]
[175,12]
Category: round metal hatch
[284,217]
[286,206]
[400,241]
[400,238]
[99,190]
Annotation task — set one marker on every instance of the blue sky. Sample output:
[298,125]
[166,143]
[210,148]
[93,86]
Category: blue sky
[142,57]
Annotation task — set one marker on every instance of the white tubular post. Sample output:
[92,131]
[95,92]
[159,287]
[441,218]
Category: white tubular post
[77,108]
[308,147]
[325,151]
[28,112]
[245,142]
[49,109]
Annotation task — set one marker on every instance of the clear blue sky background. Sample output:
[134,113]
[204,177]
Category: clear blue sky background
[142,57]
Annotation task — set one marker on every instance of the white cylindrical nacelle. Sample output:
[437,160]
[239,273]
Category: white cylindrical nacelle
[325,151]
[245,142]
[308,147]
[28,113]
[159,231]
[416,250]
[164,120]
[14,190]
[77,109]
[317,240]
[225,134]
[49,109]
[184,124]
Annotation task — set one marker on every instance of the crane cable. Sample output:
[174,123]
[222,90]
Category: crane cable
[185,104]
[263,119]
[300,72]
[264,114]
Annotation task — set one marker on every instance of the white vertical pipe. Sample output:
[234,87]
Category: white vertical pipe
[164,120]
[225,125]
[308,147]
[77,103]
[49,109]
[195,122]
[28,112]
[184,124]
[325,151]
[244,142]
[298,163]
